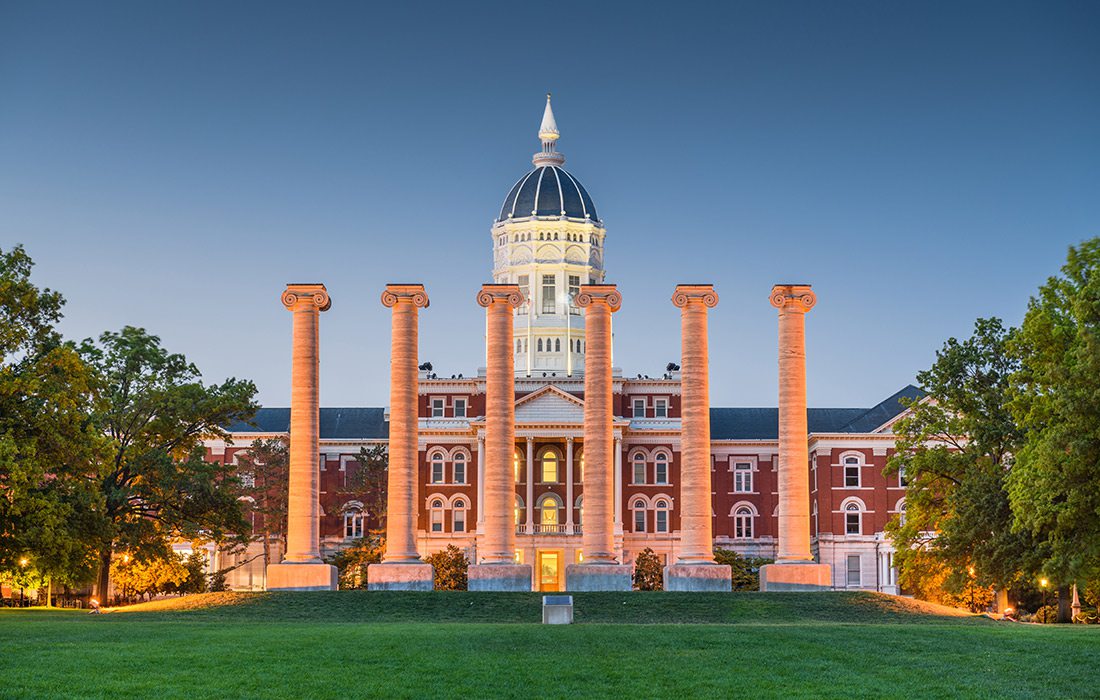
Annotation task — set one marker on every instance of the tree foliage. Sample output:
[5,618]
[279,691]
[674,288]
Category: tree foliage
[264,471]
[155,483]
[351,563]
[134,578]
[744,571]
[648,571]
[1055,485]
[450,569]
[368,483]
[956,448]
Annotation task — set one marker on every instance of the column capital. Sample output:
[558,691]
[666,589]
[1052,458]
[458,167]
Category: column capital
[569,440]
[500,294]
[793,297]
[686,294]
[530,439]
[298,294]
[397,293]
[600,293]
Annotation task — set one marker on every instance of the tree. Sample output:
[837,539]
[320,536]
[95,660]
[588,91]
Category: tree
[1055,486]
[955,449]
[155,484]
[744,571]
[450,567]
[648,571]
[368,483]
[265,476]
[48,444]
[136,578]
[351,563]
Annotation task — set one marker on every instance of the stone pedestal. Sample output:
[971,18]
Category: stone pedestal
[796,577]
[499,577]
[301,577]
[400,576]
[699,577]
[598,577]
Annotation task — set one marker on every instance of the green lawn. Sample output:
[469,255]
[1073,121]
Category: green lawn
[354,644]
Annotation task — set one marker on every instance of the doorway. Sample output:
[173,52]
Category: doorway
[549,567]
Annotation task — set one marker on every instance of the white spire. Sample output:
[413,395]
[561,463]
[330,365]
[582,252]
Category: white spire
[548,134]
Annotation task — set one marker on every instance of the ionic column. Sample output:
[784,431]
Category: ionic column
[599,301]
[405,300]
[480,482]
[793,301]
[306,302]
[499,540]
[529,525]
[696,539]
[569,485]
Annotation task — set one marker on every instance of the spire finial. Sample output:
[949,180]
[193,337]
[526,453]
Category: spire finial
[548,134]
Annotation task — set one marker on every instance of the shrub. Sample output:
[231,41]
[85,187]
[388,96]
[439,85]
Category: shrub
[744,571]
[351,563]
[648,574]
[450,567]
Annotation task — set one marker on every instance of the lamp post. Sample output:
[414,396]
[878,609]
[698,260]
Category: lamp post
[22,582]
[1043,583]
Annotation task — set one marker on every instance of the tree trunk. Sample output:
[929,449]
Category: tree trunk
[1065,603]
[104,581]
[49,592]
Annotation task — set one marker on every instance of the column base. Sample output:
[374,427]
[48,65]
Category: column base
[796,577]
[301,577]
[598,577]
[400,576]
[699,577]
[499,577]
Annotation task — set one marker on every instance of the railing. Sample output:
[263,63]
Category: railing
[541,529]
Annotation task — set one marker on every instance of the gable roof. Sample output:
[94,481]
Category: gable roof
[549,389]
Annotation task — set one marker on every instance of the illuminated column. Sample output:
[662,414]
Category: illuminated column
[401,567]
[618,520]
[302,568]
[529,526]
[794,568]
[601,570]
[569,485]
[480,482]
[496,569]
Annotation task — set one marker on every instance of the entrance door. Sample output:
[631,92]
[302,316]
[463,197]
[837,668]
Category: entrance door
[549,570]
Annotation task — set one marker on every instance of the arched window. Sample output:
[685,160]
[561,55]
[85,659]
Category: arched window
[515,465]
[557,344]
[579,477]
[742,523]
[814,513]
[900,508]
[580,510]
[437,515]
[662,516]
[851,471]
[639,468]
[639,515]
[660,469]
[353,523]
[519,509]
[459,468]
[853,518]
[548,510]
[437,468]
[742,477]
[458,516]
[538,345]
[549,471]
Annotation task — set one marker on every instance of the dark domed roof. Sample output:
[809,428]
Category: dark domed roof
[548,191]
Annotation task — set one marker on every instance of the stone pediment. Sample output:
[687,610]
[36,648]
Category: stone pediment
[549,405]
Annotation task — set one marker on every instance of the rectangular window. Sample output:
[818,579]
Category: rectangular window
[660,408]
[549,302]
[814,473]
[639,471]
[902,480]
[574,290]
[437,520]
[437,471]
[662,521]
[437,407]
[460,520]
[854,578]
[321,461]
[460,470]
[460,408]
[524,282]
[851,472]
[639,521]
[742,477]
[660,471]
[851,523]
[639,408]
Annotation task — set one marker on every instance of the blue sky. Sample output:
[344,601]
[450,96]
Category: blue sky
[173,165]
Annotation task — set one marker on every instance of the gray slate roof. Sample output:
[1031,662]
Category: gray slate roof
[725,423]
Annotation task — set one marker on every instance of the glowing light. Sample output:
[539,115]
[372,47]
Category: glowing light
[24,561]
[1043,582]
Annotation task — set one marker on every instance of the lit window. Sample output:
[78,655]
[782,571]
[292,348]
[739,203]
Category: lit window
[437,407]
[437,516]
[437,468]
[549,467]
[548,511]
[580,509]
[574,290]
[854,578]
[460,469]
[580,469]
[460,408]
[742,523]
[549,302]
[458,518]
[519,509]
[353,523]
[851,472]
[639,408]
[742,477]
[662,516]
[639,468]
[660,468]
[515,465]
[660,408]
[853,519]
[639,516]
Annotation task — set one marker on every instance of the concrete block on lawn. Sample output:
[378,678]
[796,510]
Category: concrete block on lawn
[598,577]
[808,576]
[499,577]
[403,576]
[698,577]
[301,577]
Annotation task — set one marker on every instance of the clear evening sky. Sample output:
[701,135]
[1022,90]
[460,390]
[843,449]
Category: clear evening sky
[173,165]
